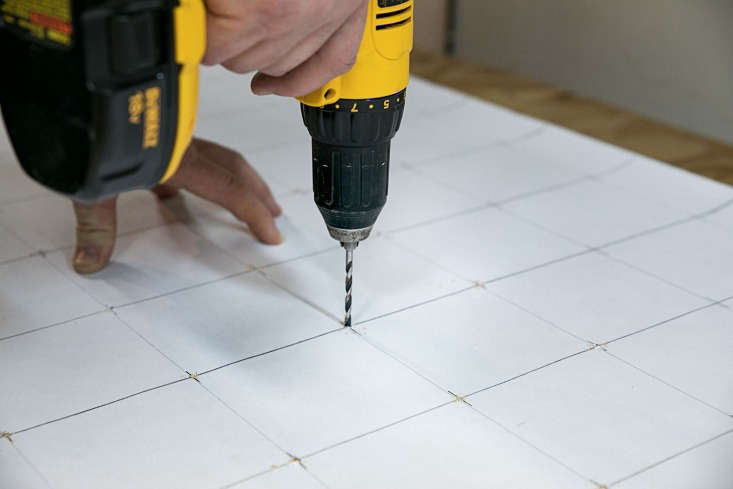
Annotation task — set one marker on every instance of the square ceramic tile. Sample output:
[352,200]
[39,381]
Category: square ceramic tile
[152,263]
[292,476]
[672,186]
[11,247]
[301,225]
[707,466]
[176,436]
[595,297]
[275,124]
[457,131]
[322,392]
[425,98]
[286,168]
[414,199]
[694,255]
[71,367]
[499,173]
[599,416]
[562,146]
[33,294]
[48,222]
[387,278]
[222,91]
[470,341]
[453,446]
[14,183]
[486,244]
[593,213]
[692,353]
[209,326]
[16,472]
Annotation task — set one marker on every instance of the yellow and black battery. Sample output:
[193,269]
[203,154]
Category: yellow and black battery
[100,97]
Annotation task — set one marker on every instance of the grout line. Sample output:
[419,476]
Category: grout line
[93,408]
[671,457]
[412,306]
[528,443]
[666,383]
[349,440]
[663,322]
[537,267]
[394,357]
[653,230]
[544,190]
[60,323]
[715,209]
[33,467]
[256,355]
[528,372]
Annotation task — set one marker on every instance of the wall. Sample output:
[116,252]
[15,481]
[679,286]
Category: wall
[430,23]
[668,59]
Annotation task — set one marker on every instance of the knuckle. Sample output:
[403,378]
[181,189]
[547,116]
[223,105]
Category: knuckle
[276,14]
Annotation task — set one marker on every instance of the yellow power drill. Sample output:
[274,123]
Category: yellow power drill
[100,96]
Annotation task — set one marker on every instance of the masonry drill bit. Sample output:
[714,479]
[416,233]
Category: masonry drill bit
[349,247]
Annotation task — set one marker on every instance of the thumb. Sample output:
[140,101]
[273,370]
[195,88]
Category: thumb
[96,228]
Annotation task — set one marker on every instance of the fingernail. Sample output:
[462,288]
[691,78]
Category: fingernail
[87,259]
[262,91]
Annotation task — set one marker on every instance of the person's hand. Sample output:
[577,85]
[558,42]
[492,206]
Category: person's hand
[295,45]
[208,170]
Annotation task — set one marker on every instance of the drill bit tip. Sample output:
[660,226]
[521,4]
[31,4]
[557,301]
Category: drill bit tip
[349,247]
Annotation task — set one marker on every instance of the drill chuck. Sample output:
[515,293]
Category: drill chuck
[351,154]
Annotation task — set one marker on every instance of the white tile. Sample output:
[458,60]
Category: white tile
[212,325]
[485,245]
[48,222]
[151,263]
[292,476]
[34,294]
[426,98]
[722,216]
[176,436]
[562,146]
[301,225]
[321,392]
[670,185]
[223,91]
[15,472]
[707,466]
[596,297]
[694,255]
[276,124]
[460,129]
[692,353]
[11,247]
[62,370]
[414,198]
[286,168]
[594,213]
[14,183]
[498,173]
[386,279]
[450,447]
[601,417]
[470,341]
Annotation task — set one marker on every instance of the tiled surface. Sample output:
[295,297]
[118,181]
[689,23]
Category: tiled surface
[599,416]
[46,375]
[478,280]
[453,446]
[470,341]
[176,436]
[692,353]
[486,244]
[210,326]
[339,386]
[595,297]
[152,263]
[593,213]
[707,466]
[387,279]
[33,294]
[694,255]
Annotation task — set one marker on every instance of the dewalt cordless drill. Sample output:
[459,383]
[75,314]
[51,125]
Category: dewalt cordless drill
[100,97]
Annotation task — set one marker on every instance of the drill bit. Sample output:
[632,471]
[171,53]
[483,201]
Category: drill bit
[349,247]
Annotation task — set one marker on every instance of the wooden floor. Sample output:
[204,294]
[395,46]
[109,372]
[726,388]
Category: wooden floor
[620,127]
